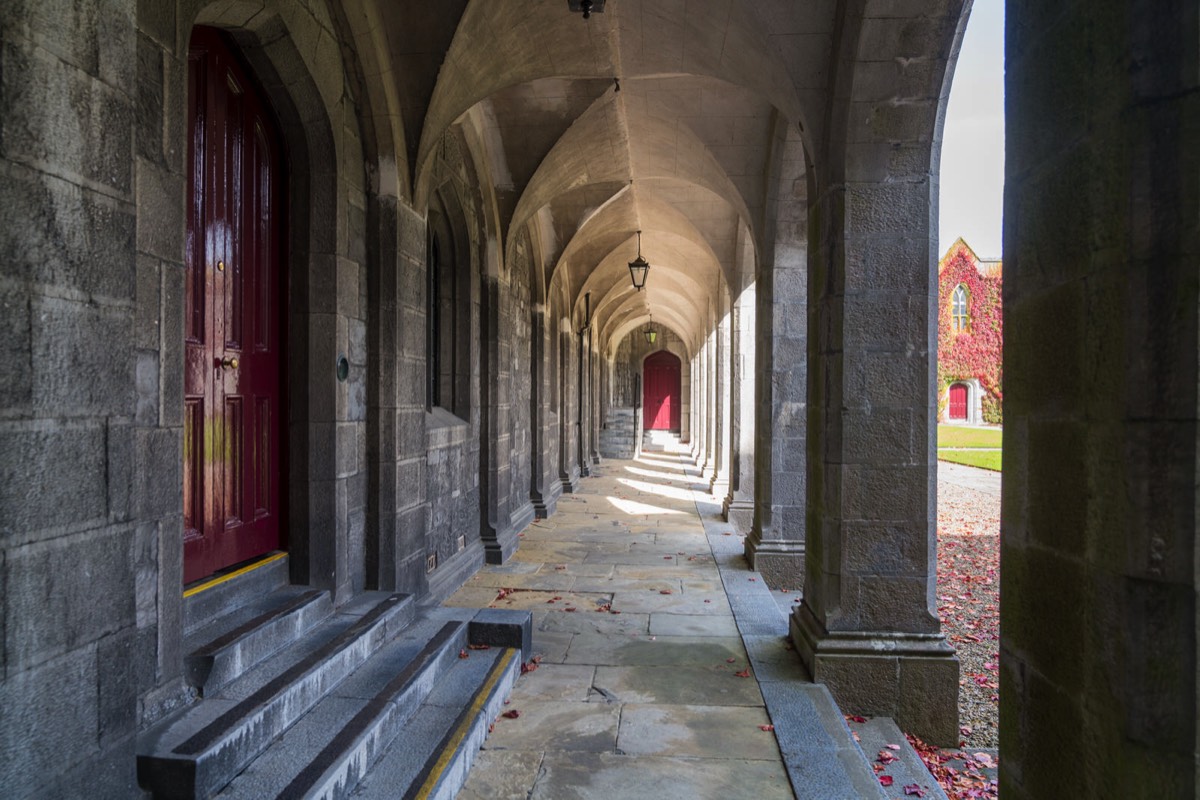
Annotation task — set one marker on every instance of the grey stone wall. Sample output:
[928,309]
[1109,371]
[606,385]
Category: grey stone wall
[91,462]
[1099,512]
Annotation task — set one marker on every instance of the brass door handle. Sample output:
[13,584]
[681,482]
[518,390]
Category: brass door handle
[229,363]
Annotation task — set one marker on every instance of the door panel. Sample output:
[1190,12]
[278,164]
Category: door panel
[233,393]
[661,403]
[958,401]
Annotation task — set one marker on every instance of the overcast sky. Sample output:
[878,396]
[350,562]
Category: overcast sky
[972,185]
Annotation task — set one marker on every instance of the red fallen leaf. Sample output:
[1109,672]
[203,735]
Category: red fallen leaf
[914,790]
[561,566]
[730,660]
[744,673]
[727,533]
[667,558]
[491,727]
[604,607]
[479,647]
[893,747]
[856,718]
[463,654]
[885,780]
[664,591]
[885,757]
[614,612]
[766,727]
[572,608]
[754,579]
[708,601]
[513,714]
[549,601]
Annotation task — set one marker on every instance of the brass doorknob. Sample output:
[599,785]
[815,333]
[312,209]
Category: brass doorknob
[229,363]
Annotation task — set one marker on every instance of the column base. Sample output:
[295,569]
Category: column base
[910,677]
[780,562]
[545,505]
[739,512]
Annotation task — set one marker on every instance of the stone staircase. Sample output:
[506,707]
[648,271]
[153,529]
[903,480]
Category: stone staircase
[618,438]
[298,699]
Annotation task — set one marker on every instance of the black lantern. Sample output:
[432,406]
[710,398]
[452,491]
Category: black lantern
[639,267]
[586,6]
[651,334]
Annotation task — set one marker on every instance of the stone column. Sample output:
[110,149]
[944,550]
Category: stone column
[721,441]
[1100,502]
[775,544]
[868,626]
[739,500]
[545,487]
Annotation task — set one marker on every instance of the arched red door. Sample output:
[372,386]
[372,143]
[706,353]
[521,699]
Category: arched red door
[233,326]
[661,396]
[958,401]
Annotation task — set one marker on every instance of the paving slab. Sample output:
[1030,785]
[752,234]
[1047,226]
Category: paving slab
[558,725]
[679,685]
[715,732]
[502,775]
[565,682]
[603,622]
[599,649]
[671,624]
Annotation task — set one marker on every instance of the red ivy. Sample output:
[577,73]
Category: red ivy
[977,351]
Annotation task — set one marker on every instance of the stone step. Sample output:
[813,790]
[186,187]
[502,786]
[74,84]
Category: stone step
[197,752]
[881,735]
[239,588]
[329,751]
[433,753]
[231,645]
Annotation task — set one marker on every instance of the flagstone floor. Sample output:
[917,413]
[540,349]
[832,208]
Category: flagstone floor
[642,688]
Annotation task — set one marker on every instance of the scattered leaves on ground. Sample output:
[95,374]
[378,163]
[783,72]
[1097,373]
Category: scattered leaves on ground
[962,775]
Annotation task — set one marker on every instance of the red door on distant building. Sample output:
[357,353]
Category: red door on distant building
[233,337]
[661,403]
[958,401]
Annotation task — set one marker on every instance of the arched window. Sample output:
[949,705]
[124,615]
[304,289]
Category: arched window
[959,319]
[447,322]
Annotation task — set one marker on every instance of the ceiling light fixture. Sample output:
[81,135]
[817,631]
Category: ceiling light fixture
[639,267]
[586,6]
[651,334]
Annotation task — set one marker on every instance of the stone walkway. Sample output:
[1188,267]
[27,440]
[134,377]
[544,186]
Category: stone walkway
[637,693]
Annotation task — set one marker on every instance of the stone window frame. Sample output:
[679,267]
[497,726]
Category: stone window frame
[960,315]
[447,318]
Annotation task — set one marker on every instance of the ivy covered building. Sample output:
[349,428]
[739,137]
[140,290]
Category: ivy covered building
[970,337]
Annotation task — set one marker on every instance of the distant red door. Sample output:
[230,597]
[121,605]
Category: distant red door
[233,336]
[661,406]
[958,401]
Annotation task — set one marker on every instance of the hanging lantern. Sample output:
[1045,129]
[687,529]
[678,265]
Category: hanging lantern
[639,267]
[586,6]
[651,334]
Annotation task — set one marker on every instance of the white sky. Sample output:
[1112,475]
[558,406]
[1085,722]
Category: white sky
[972,180]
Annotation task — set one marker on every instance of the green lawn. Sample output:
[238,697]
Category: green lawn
[961,436]
[986,459]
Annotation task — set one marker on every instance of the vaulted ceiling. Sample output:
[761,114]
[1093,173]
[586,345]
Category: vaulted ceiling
[659,116]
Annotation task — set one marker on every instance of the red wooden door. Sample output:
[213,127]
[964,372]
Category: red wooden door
[958,401]
[233,337]
[661,405]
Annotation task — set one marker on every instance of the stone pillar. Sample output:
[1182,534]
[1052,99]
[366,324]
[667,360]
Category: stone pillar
[775,544]
[721,441]
[1100,504]
[739,500]
[545,488]
[868,626]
